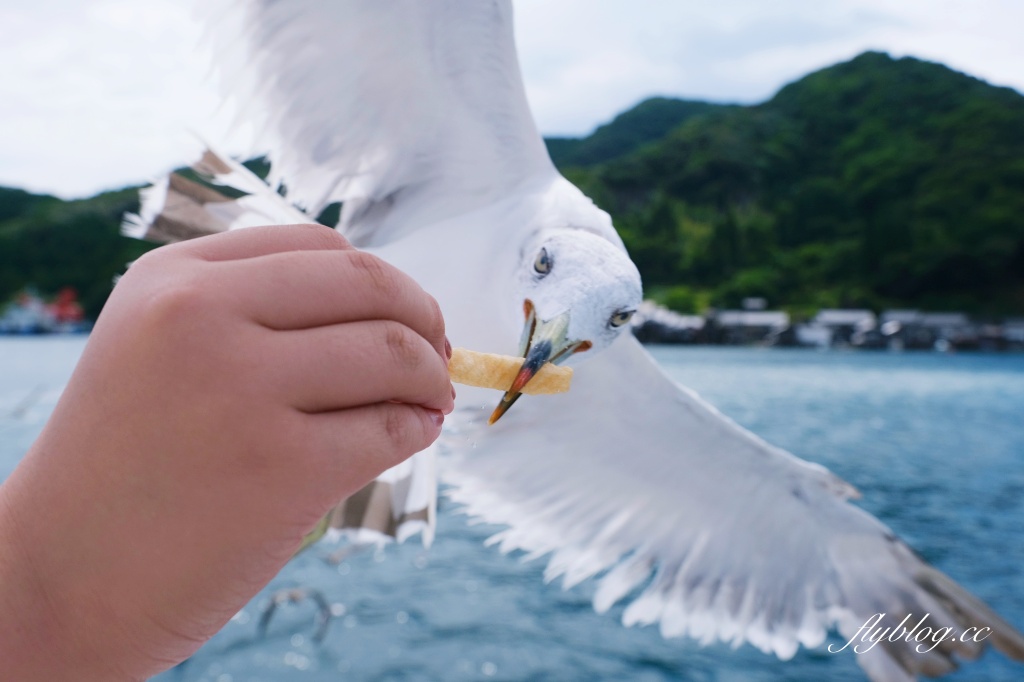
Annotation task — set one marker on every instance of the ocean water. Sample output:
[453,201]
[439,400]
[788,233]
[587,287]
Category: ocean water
[935,443]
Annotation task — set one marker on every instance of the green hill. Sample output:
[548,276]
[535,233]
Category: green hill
[49,243]
[647,122]
[876,182]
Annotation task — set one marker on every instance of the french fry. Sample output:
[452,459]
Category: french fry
[488,370]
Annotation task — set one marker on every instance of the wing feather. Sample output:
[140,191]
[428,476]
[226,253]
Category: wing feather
[711,532]
[407,111]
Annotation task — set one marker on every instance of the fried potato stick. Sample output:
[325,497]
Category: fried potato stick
[488,370]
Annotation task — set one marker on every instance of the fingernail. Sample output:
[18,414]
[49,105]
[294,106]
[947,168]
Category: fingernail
[447,348]
[437,417]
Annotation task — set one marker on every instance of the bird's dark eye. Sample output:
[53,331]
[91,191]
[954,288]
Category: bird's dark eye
[543,263]
[621,318]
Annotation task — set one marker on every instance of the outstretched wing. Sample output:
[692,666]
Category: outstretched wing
[724,536]
[407,111]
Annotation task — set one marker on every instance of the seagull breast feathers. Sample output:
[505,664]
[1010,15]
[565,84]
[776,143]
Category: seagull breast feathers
[703,527]
[409,112]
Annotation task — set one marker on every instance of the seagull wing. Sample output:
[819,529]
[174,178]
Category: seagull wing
[407,111]
[709,531]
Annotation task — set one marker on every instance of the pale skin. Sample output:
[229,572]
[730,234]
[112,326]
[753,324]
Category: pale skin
[235,388]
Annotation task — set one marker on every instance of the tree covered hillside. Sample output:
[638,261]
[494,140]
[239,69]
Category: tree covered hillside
[874,182]
[647,122]
[48,243]
[877,182]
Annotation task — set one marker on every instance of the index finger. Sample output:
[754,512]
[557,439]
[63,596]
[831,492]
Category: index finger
[253,242]
[291,291]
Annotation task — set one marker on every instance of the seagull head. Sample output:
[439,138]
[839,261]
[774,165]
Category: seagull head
[578,291]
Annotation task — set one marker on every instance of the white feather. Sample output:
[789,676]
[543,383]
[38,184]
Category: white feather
[407,111]
[629,472]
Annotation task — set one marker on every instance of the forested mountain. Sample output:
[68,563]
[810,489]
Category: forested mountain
[876,182]
[647,122]
[48,243]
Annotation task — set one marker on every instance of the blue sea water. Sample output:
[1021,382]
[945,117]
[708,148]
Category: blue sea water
[934,442]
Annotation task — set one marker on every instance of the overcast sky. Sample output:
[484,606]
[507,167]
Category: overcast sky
[96,94]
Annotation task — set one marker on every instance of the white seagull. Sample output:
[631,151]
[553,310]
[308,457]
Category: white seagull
[413,115]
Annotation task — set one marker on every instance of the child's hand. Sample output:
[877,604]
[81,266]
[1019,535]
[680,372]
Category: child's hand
[234,389]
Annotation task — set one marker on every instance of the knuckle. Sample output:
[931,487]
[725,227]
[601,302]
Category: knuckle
[149,259]
[324,236]
[398,427]
[378,274]
[179,302]
[403,346]
[436,319]
[158,263]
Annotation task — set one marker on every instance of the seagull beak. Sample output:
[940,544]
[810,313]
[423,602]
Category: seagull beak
[542,341]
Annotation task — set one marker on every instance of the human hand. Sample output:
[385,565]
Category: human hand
[235,388]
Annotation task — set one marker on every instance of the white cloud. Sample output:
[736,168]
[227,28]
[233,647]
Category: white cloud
[100,93]
[742,50]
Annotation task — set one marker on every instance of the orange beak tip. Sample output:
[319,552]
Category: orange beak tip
[496,415]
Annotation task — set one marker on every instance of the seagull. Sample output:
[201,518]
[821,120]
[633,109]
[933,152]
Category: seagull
[413,116]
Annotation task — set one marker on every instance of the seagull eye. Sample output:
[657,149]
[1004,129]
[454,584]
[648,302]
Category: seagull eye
[543,263]
[621,318]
